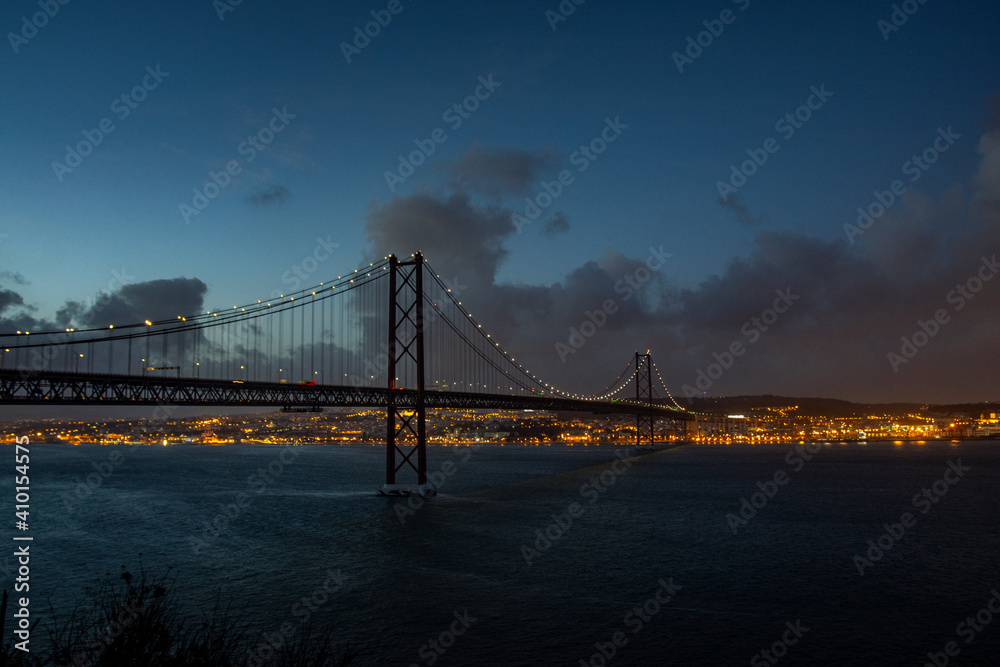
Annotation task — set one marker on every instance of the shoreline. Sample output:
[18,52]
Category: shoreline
[659,446]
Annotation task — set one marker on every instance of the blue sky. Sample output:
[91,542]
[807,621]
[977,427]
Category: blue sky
[67,236]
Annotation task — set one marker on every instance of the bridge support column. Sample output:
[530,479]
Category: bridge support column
[644,418]
[406,434]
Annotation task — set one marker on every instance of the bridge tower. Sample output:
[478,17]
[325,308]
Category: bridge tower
[644,418]
[406,435]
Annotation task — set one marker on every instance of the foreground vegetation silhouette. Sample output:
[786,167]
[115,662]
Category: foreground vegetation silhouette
[136,621]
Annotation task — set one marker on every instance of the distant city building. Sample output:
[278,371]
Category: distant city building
[988,425]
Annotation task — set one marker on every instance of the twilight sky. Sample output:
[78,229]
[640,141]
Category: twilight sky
[542,160]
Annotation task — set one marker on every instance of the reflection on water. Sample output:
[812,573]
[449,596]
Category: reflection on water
[226,520]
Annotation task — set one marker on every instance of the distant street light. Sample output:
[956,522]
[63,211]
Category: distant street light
[77,370]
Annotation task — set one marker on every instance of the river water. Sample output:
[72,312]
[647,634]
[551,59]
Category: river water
[550,555]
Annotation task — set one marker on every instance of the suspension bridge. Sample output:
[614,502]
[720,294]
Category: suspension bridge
[393,335]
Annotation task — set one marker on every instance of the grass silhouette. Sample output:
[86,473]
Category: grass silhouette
[135,621]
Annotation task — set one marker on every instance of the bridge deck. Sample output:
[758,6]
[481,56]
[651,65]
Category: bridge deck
[60,388]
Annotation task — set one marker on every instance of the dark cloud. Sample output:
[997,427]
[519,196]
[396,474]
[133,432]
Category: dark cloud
[132,303]
[15,313]
[9,299]
[13,277]
[498,172]
[151,300]
[458,235]
[848,303]
[735,204]
[557,224]
[272,194]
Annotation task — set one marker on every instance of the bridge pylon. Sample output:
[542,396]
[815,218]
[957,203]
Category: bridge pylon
[406,433]
[644,417]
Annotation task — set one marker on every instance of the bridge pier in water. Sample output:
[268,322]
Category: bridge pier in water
[406,431]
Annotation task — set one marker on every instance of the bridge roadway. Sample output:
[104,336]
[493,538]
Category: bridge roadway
[60,388]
